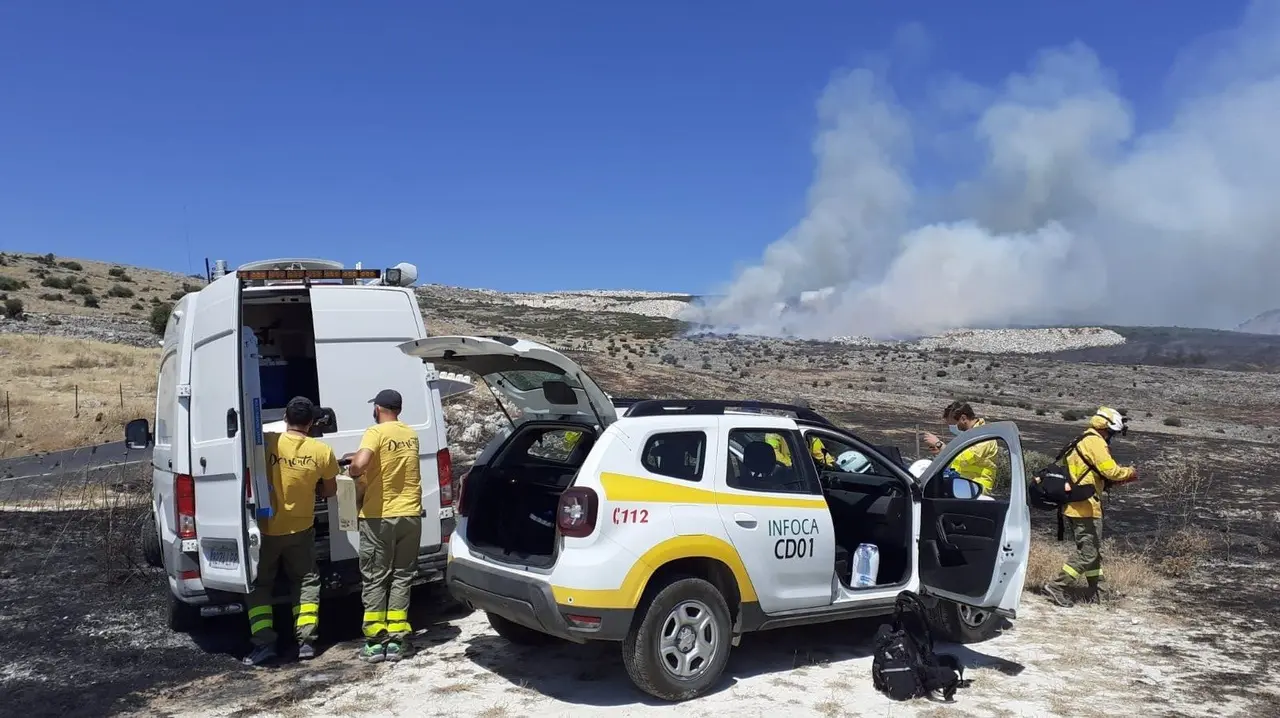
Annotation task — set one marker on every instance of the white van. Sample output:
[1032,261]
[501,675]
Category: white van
[314,329]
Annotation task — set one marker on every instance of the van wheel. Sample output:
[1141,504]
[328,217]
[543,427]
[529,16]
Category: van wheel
[183,617]
[964,624]
[681,644]
[150,540]
[517,634]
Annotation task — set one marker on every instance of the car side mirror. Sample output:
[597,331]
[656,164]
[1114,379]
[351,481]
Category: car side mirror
[965,489]
[326,422]
[137,434]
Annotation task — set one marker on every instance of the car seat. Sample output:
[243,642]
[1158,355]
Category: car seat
[758,464]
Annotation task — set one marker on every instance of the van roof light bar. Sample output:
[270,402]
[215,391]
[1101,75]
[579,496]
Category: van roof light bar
[671,407]
[307,275]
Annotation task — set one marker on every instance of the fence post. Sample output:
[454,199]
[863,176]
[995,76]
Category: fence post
[917,432]
[8,413]
[77,388]
[122,395]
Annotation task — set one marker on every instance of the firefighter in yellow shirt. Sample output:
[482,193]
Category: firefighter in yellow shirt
[976,463]
[296,463]
[1091,464]
[390,486]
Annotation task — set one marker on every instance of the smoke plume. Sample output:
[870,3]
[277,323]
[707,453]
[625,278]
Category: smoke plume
[1075,210]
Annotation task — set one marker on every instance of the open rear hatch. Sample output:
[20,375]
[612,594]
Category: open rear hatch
[538,380]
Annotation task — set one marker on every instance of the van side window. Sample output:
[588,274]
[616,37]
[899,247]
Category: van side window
[166,399]
[678,454]
[768,460]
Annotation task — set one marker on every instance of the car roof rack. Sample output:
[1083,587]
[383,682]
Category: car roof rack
[669,407]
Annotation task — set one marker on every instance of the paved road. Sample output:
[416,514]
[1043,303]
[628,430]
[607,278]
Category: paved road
[30,477]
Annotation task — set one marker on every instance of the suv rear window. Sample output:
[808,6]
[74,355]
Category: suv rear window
[768,460]
[678,454]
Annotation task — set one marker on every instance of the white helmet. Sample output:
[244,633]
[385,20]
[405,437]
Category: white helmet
[853,462]
[917,469]
[1115,421]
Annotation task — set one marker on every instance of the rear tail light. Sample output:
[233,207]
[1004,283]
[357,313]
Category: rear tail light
[460,506]
[184,500]
[444,469]
[576,514]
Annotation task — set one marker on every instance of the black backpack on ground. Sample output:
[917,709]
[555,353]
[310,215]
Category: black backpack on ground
[904,665]
[1047,488]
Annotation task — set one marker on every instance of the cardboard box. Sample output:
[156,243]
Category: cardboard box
[347,508]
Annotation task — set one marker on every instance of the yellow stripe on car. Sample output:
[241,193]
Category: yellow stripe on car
[628,595]
[621,487]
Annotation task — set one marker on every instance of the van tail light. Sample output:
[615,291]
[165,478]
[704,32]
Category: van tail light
[444,469]
[184,499]
[576,514]
[460,506]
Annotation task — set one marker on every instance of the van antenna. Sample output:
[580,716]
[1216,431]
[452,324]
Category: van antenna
[208,275]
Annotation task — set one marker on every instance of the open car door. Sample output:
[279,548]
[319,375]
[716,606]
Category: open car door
[218,435]
[538,380]
[974,552]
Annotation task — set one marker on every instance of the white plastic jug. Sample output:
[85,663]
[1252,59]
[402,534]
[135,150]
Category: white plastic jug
[866,565]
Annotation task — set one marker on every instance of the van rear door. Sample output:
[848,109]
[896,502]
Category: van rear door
[218,438]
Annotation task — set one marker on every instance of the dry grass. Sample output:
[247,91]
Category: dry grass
[1128,573]
[43,375]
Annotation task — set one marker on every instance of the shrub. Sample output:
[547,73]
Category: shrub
[1074,414]
[941,373]
[71,265]
[81,289]
[9,284]
[159,319]
[91,301]
[176,295]
[57,282]
[13,308]
[52,297]
[120,292]
[116,272]
[137,306]
[1172,421]
[4,259]
[47,260]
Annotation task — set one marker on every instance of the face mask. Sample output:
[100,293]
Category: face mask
[955,430]
[375,416]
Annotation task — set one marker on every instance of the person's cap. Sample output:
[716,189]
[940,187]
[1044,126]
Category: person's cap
[388,399]
[300,406]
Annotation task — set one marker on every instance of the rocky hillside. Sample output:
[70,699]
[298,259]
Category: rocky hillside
[1264,323]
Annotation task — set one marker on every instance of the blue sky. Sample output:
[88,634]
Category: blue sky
[514,145]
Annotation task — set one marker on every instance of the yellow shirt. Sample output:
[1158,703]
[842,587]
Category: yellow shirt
[780,448]
[820,454]
[978,462]
[1095,448]
[295,465]
[393,481]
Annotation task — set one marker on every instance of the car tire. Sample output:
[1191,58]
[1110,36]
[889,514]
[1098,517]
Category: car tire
[963,624]
[517,634]
[150,541]
[183,617]
[661,652]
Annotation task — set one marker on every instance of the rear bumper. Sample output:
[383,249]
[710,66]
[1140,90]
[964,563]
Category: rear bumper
[530,603]
[337,578]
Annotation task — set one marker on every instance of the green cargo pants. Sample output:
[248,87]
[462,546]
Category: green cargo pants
[388,565]
[1088,559]
[296,555]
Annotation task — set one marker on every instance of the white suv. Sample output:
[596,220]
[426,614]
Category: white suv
[685,524]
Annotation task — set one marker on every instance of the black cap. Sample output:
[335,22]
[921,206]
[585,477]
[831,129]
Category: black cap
[388,399]
[300,410]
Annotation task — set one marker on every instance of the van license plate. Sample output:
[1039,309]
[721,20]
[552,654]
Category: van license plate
[222,554]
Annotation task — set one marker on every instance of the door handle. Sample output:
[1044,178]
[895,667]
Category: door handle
[746,521]
[233,423]
[952,525]
[942,535]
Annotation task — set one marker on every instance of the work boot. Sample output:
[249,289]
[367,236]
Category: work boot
[260,655]
[373,653]
[1057,595]
[306,652]
[1096,594]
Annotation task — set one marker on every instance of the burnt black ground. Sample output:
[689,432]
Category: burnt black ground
[82,620]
